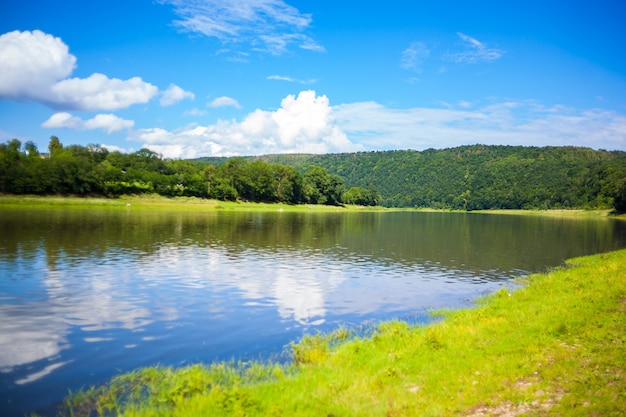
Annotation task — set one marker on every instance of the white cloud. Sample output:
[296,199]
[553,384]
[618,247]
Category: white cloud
[475,51]
[290,79]
[107,122]
[35,67]
[195,112]
[303,124]
[414,55]
[524,123]
[98,92]
[63,119]
[174,94]
[115,148]
[225,102]
[306,123]
[266,25]
[32,62]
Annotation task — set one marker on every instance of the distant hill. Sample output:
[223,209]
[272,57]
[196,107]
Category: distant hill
[475,177]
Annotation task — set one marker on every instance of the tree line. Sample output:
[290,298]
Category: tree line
[94,170]
[467,177]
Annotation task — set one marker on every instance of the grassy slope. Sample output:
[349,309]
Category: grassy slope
[556,346]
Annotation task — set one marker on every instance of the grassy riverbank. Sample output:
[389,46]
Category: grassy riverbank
[559,213]
[556,346]
[156,202]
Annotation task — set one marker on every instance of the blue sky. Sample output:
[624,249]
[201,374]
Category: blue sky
[249,77]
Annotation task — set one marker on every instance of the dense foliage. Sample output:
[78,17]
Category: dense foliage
[468,177]
[481,177]
[93,170]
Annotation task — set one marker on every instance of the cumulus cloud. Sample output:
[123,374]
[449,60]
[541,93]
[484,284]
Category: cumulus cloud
[32,62]
[36,66]
[474,52]
[98,92]
[266,25]
[63,119]
[307,123]
[107,122]
[303,124]
[174,94]
[225,102]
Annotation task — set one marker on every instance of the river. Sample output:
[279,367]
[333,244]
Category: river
[86,294]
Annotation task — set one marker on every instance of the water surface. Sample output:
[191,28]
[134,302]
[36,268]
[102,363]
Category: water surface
[86,294]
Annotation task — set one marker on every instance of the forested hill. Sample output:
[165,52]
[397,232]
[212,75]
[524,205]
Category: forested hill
[468,177]
[477,176]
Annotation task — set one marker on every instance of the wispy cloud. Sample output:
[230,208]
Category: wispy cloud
[414,55]
[266,25]
[291,79]
[474,52]
[508,122]
[195,112]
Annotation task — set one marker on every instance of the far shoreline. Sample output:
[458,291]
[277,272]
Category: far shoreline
[156,202]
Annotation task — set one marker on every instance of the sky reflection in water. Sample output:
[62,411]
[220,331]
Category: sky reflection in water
[85,296]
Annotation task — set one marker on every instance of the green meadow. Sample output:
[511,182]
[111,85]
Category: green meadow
[554,346]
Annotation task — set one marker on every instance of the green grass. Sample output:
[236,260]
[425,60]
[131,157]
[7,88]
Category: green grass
[556,346]
[577,213]
[156,202]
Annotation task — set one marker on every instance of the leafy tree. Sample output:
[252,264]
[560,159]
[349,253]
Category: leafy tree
[316,184]
[361,196]
[619,202]
[31,149]
[54,146]
[335,190]
[321,187]
[234,171]
[289,187]
[258,182]
[11,169]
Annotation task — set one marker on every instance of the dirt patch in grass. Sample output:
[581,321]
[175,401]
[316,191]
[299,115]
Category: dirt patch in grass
[538,401]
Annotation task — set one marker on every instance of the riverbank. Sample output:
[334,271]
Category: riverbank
[156,202]
[559,213]
[555,346]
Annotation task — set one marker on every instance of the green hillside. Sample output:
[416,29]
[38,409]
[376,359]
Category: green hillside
[477,176]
